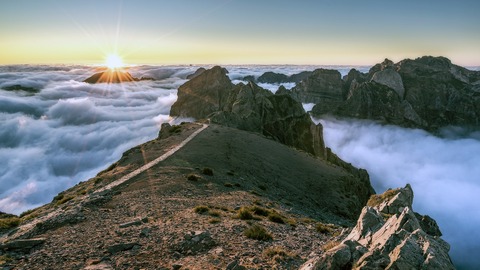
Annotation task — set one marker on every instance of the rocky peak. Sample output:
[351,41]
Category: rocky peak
[322,86]
[203,94]
[389,235]
[249,107]
[111,76]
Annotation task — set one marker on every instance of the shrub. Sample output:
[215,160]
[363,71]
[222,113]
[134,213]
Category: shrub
[193,177]
[260,211]
[275,217]
[377,199]
[262,187]
[214,221]
[277,252]
[244,214]
[330,245]
[214,213]
[324,228]
[258,232]
[9,222]
[175,129]
[64,199]
[201,209]
[207,171]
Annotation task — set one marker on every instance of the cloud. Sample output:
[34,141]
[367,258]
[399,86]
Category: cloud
[71,130]
[443,172]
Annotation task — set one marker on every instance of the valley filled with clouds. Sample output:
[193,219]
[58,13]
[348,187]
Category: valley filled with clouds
[69,131]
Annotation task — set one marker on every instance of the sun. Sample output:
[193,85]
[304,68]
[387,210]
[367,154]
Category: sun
[114,61]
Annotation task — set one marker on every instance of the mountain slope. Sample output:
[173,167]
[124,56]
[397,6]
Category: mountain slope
[147,222]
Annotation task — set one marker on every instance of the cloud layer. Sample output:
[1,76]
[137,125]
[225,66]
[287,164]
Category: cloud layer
[444,173]
[72,130]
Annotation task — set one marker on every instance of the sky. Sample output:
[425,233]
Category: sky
[321,32]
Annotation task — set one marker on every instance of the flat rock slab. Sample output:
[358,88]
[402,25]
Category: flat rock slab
[22,244]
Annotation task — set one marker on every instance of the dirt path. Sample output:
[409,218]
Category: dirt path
[56,214]
[152,163]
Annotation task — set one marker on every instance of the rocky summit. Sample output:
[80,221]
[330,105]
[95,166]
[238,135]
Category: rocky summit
[428,92]
[111,76]
[248,107]
[250,185]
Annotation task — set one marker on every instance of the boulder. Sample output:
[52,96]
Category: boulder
[195,242]
[389,235]
[23,245]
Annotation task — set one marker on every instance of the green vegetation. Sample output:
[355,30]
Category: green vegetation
[278,253]
[258,232]
[229,185]
[377,199]
[9,222]
[193,177]
[214,213]
[205,210]
[201,209]
[175,129]
[324,228]
[275,217]
[262,187]
[257,210]
[207,171]
[64,199]
[330,245]
[244,214]
[214,220]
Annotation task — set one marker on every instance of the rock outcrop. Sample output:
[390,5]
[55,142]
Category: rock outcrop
[112,76]
[273,77]
[428,92]
[248,107]
[196,73]
[389,235]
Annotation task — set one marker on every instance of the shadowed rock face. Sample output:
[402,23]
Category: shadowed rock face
[389,235]
[111,76]
[248,107]
[428,92]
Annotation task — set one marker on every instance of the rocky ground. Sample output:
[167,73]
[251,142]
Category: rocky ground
[193,210]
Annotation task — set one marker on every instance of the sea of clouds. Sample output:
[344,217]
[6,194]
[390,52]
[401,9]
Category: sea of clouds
[70,131]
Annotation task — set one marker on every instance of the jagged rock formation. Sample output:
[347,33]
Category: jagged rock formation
[322,87]
[273,77]
[428,92]
[248,107]
[112,76]
[389,235]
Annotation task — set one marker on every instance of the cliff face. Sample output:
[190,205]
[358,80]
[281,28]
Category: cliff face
[428,92]
[248,107]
